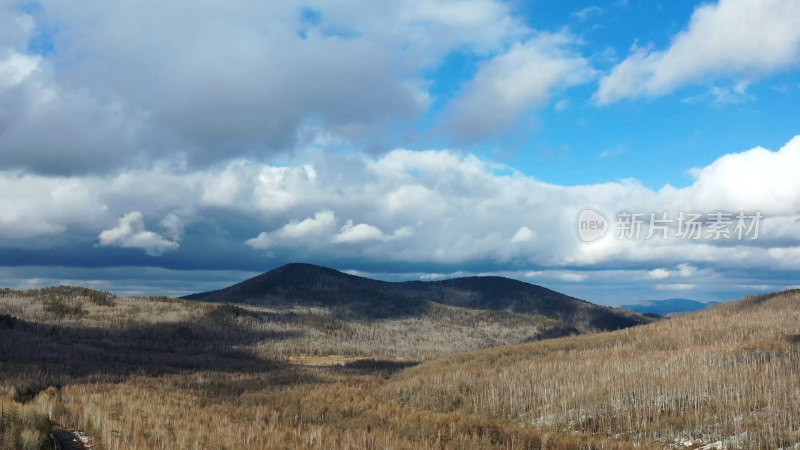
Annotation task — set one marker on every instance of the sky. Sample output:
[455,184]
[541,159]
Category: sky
[174,147]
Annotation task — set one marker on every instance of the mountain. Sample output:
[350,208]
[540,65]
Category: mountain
[310,285]
[700,380]
[668,306]
[359,297]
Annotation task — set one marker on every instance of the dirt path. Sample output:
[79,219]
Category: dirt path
[68,440]
[63,439]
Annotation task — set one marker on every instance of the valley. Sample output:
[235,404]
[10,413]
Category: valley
[313,371]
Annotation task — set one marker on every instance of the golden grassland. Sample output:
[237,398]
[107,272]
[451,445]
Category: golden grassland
[159,373]
[23,426]
[729,375]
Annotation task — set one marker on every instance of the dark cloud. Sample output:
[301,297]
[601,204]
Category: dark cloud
[127,83]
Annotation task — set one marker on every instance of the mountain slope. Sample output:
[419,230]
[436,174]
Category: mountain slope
[668,306]
[354,296]
[505,294]
[724,377]
[310,285]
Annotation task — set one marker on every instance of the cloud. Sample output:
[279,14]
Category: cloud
[34,207]
[562,105]
[295,233]
[437,208]
[587,12]
[759,287]
[512,84]
[16,68]
[361,232]
[173,226]
[432,276]
[612,152]
[682,270]
[576,277]
[316,225]
[746,181]
[317,231]
[524,234]
[732,38]
[675,287]
[724,95]
[658,274]
[131,233]
[100,99]
[686,270]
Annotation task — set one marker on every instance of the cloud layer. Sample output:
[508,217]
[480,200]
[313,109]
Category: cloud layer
[216,81]
[437,207]
[242,134]
[741,38]
[131,233]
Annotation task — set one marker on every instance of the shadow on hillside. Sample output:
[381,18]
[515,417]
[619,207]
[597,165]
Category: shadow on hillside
[373,366]
[35,356]
[362,306]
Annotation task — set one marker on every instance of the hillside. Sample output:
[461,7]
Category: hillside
[309,285]
[351,296]
[225,376]
[505,294]
[241,377]
[725,377]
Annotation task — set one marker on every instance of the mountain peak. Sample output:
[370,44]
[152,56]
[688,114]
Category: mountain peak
[350,295]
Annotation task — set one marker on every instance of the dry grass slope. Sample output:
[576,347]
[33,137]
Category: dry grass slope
[729,375]
[165,373]
[23,427]
[169,373]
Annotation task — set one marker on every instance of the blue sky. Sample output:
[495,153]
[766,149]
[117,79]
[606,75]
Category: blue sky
[147,148]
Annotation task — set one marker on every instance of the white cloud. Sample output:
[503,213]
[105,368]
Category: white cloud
[587,12]
[432,276]
[131,233]
[611,152]
[742,38]
[35,206]
[362,232]
[106,96]
[759,287]
[577,277]
[562,105]
[512,84]
[420,206]
[524,234]
[316,225]
[722,95]
[173,226]
[403,233]
[658,274]
[16,68]
[747,181]
[686,270]
[675,287]
[682,270]
[295,233]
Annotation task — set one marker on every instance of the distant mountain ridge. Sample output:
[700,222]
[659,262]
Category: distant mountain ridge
[359,297]
[668,306]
